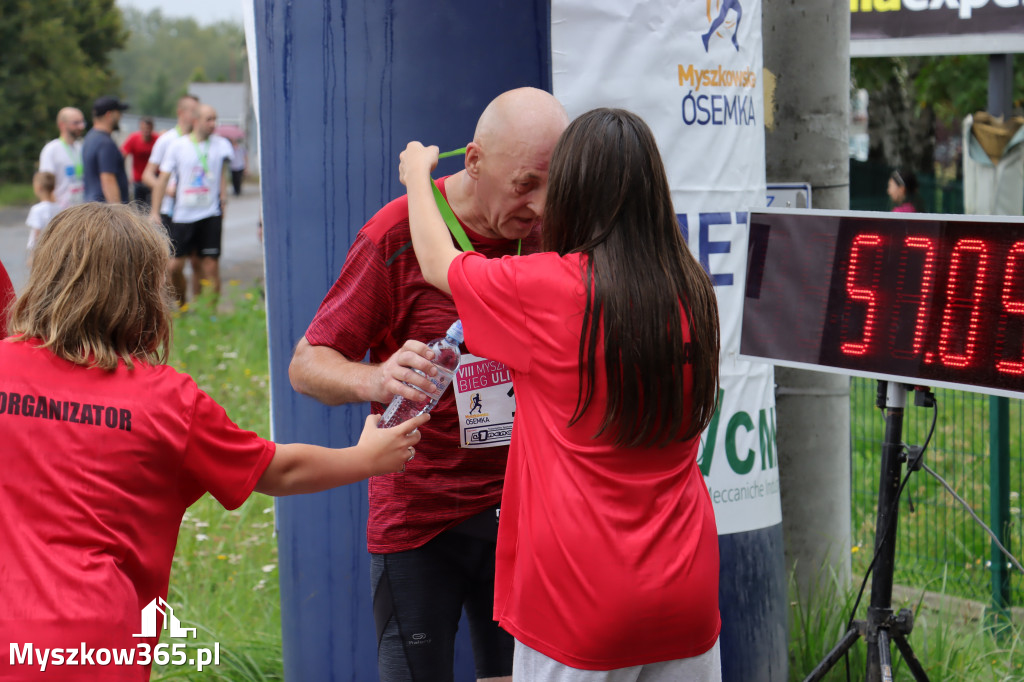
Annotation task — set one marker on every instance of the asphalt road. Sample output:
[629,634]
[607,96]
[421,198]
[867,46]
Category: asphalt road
[242,252]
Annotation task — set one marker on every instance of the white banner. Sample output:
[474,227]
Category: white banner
[693,70]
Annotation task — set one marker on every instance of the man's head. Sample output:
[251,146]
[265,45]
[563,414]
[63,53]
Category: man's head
[70,123]
[187,112]
[206,121]
[96,292]
[146,127]
[106,113]
[508,160]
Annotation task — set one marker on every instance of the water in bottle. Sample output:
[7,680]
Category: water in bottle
[446,360]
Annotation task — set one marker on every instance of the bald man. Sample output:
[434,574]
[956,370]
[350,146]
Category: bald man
[201,162]
[63,157]
[432,529]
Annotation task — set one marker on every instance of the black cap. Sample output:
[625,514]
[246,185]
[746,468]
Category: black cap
[105,104]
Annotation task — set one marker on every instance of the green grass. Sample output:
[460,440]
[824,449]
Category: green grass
[949,647]
[16,194]
[224,577]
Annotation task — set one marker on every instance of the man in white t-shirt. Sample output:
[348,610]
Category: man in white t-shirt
[186,120]
[63,157]
[201,161]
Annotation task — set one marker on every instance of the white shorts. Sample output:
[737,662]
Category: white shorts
[529,665]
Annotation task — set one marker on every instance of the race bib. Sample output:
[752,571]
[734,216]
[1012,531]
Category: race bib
[485,401]
[197,193]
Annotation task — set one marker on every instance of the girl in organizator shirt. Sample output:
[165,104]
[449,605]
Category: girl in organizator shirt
[607,557]
[105,447]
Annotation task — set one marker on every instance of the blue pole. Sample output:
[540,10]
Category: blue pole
[342,87]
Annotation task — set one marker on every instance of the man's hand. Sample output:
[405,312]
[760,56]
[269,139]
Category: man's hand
[416,161]
[398,370]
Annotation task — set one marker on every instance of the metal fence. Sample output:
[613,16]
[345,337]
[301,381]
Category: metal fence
[939,546]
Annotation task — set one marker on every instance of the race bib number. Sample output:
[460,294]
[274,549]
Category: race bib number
[485,401]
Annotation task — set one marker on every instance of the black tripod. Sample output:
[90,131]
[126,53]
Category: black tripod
[882,625]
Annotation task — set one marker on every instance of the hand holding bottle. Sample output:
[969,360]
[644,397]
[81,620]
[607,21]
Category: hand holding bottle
[388,449]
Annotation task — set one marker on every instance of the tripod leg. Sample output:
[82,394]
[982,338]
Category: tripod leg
[884,657]
[832,657]
[910,658]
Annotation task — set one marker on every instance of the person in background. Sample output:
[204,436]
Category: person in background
[607,556]
[902,190]
[431,531]
[200,160]
[41,213]
[105,446]
[63,157]
[239,163]
[102,162]
[137,148]
[186,109]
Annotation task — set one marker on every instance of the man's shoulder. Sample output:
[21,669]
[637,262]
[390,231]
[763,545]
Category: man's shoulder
[50,146]
[391,218]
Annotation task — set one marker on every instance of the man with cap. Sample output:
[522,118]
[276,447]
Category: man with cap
[103,164]
[63,157]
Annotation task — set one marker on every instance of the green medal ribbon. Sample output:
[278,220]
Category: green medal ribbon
[449,216]
[74,156]
[202,155]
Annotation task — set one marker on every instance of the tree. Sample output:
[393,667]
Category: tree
[909,97]
[179,51]
[55,54]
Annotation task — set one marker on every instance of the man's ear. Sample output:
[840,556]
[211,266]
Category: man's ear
[474,155]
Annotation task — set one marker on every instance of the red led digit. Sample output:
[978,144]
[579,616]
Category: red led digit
[1014,306]
[927,282]
[955,303]
[861,293]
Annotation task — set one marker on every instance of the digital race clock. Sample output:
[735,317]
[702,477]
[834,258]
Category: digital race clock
[918,298]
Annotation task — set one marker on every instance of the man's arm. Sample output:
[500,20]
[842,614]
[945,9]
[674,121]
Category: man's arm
[225,176]
[149,177]
[159,189]
[111,190]
[328,376]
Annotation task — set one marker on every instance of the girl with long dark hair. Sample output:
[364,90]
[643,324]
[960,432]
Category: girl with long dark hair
[607,558]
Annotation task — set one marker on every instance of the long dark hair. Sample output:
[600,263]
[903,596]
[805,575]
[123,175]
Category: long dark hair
[608,198]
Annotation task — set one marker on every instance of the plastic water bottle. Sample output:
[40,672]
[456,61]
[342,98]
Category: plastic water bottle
[446,360]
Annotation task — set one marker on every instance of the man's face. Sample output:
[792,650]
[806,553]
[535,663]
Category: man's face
[146,128]
[206,122]
[115,117]
[73,124]
[512,185]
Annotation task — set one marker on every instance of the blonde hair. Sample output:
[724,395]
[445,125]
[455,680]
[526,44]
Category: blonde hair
[96,294]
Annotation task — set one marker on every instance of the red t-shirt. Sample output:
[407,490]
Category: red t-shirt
[607,557]
[6,300]
[137,147]
[379,301]
[98,469]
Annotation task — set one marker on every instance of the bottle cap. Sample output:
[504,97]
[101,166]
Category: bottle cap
[455,331]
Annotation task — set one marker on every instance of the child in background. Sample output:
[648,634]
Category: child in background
[40,215]
[105,447]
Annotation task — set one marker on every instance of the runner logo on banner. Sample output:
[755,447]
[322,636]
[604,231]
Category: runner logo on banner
[485,401]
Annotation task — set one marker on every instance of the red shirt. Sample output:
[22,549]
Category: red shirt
[607,557]
[6,300]
[98,469]
[378,302]
[137,147]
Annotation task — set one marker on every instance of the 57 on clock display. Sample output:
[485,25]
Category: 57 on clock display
[925,299]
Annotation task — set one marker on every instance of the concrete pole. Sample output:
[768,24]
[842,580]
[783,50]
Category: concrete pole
[807,52]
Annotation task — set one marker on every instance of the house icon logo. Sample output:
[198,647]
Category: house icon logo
[718,13]
[171,622]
